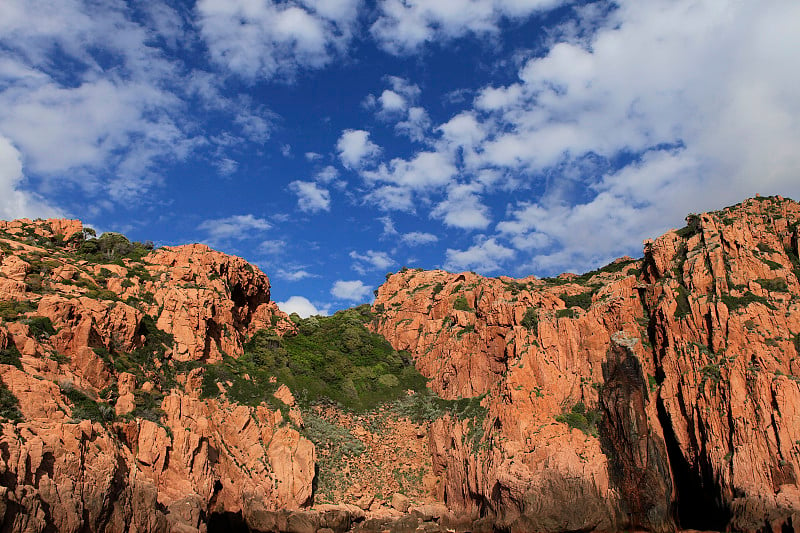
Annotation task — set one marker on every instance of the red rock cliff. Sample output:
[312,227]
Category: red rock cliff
[655,394]
[110,431]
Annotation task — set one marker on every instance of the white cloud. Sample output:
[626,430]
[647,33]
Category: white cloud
[417,238]
[371,260]
[226,166]
[295,275]
[404,25]
[391,198]
[424,170]
[300,305]
[310,197]
[700,90]
[236,227]
[327,174]
[266,39]
[463,208]
[107,128]
[16,203]
[388,226]
[354,291]
[271,247]
[355,148]
[416,124]
[485,256]
[391,102]
[313,156]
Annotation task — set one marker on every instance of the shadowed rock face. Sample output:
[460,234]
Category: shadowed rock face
[657,394]
[688,358]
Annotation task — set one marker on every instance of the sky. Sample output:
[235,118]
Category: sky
[332,141]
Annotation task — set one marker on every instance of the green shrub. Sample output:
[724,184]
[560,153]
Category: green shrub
[10,310]
[774,285]
[40,327]
[83,407]
[334,358]
[735,302]
[683,308]
[765,248]
[692,227]
[712,372]
[9,404]
[582,300]
[466,329]
[771,264]
[578,417]
[461,304]
[565,313]
[437,289]
[531,320]
[10,356]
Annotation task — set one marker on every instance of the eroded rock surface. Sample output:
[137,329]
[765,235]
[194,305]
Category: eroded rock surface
[657,393]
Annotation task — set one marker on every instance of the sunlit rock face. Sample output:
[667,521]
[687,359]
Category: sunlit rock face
[656,393]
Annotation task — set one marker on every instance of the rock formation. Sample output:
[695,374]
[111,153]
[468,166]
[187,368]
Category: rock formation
[653,394]
[657,394]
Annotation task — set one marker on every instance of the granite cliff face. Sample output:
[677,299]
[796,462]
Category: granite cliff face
[142,391]
[110,432]
[655,394]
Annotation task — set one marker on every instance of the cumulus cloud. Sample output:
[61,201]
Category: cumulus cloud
[463,208]
[269,38]
[700,92]
[424,170]
[371,260]
[105,128]
[14,202]
[485,256]
[404,25]
[236,227]
[417,238]
[355,148]
[311,198]
[295,275]
[302,306]
[391,198]
[354,291]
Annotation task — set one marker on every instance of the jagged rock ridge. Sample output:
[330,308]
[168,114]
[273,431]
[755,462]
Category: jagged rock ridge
[655,394]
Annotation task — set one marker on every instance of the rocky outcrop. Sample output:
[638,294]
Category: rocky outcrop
[102,362]
[655,394]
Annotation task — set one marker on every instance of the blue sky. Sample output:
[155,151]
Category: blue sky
[333,141]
